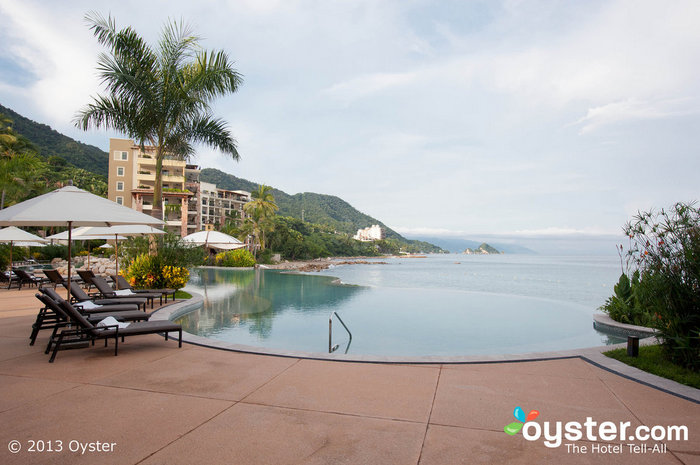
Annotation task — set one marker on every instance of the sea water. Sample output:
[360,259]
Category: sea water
[440,305]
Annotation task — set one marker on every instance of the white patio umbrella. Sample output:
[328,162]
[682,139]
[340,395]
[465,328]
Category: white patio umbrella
[78,234]
[214,239]
[16,236]
[118,232]
[70,206]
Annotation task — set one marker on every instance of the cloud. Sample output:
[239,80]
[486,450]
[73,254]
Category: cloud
[462,116]
[561,232]
[57,60]
[631,110]
[363,86]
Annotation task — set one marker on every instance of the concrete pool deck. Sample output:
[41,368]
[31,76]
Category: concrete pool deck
[160,404]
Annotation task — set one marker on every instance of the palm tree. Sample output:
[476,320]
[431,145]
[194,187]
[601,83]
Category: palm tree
[160,96]
[260,212]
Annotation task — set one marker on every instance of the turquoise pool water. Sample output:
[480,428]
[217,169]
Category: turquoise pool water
[440,305]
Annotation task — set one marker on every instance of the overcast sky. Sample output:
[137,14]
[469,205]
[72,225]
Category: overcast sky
[523,118]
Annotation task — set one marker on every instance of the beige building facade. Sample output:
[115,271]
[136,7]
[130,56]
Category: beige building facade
[188,204]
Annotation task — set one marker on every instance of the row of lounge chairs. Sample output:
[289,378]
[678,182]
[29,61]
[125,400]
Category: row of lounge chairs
[21,278]
[84,317]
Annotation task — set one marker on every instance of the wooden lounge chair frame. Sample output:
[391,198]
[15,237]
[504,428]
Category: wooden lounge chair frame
[86,331]
[28,279]
[124,284]
[49,316]
[109,293]
[79,295]
[55,277]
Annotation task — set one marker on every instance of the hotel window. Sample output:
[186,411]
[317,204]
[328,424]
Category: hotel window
[119,155]
[120,186]
[120,171]
[120,200]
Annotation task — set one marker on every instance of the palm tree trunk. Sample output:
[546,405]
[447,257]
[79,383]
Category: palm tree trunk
[157,210]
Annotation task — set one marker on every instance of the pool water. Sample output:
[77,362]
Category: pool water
[440,305]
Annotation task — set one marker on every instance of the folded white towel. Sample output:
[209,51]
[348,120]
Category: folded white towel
[111,321]
[89,305]
[123,292]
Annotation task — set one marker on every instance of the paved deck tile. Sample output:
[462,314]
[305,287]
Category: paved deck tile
[255,434]
[203,372]
[387,391]
[138,422]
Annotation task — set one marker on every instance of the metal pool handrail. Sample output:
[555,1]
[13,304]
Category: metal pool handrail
[331,347]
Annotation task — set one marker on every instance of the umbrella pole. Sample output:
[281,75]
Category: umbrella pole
[10,257]
[88,254]
[70,226]
[116,260]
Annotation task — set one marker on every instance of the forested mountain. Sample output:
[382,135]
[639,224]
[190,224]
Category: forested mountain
[49,142]
[318,208]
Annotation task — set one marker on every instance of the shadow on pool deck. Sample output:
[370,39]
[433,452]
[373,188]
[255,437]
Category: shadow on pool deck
[160,404]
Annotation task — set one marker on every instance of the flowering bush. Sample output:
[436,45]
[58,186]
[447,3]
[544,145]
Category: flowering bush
[665,247]
[145,272]
[175,276]
[235,258]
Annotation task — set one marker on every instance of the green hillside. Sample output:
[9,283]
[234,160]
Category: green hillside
[322,209]
[318,208]
[49,142]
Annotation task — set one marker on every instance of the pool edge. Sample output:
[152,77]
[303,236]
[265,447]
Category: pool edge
[591,355]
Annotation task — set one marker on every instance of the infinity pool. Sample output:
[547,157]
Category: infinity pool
[275,310]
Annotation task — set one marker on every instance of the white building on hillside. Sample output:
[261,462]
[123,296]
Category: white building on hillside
[373,233]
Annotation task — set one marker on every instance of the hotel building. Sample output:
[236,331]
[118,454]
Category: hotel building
[188,204]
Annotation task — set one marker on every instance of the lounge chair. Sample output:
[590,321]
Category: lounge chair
[109,293]
[79,295]
[50,317]
[89,307]
[55,278]
[9,277]
[28,279]
[122,283]
[86,331]
[86,276]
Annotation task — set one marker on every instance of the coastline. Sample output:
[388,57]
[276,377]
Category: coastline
[318,264]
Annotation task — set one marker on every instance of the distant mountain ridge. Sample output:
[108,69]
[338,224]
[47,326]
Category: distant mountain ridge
[458,245]
[51,142]
[317,208]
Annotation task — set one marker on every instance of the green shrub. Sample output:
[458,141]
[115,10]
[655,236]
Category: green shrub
[265,257]
[626,305]
[235,258]
[4,256]
[169,247]
[665,246]
[54,251]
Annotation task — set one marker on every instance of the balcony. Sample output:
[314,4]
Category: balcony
[145,161]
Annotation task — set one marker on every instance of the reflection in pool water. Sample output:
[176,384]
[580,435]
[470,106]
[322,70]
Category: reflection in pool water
[290,312]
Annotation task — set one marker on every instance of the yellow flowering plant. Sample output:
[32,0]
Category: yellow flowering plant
[145,271]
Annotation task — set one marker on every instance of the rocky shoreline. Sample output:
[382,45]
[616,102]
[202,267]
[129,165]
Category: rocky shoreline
[321,264]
